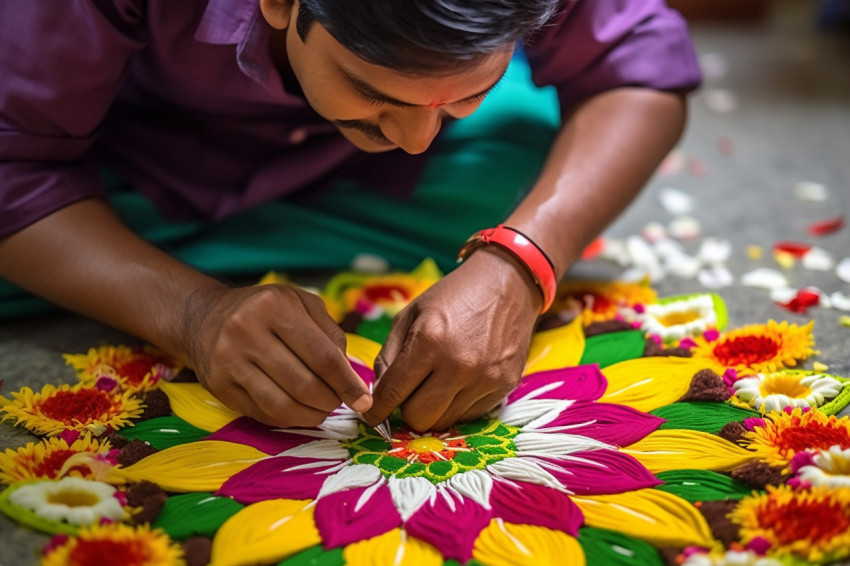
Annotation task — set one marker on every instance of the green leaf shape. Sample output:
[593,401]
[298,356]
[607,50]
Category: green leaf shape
[720,311]
[315,556]
[602,546]
[164,432]
[701,416]
[702,485]
[613,347]
[376,330]
[30,518]
[192,514]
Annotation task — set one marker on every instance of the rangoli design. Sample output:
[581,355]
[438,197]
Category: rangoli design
[643,432]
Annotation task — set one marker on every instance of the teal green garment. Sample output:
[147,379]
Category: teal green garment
[485,165]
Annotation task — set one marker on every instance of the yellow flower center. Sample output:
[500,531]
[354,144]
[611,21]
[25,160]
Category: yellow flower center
[425,444]
[677,318]
[74,498]
[783,384]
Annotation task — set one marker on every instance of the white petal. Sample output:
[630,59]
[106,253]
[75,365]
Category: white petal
[715,278]
[814,192]
[818,259]
[338,427]
[654,232]
[843,270]
[764,278]
[474,484]
[684,227]
[362,475]
[840,301]
[782,294]
[554,444]
[526,411]
[524,469]
[409,494]
[675,202]
[720,100]
[715,250]
[321,449]
[367,495]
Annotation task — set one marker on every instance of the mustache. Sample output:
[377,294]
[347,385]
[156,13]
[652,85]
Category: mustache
[371,131]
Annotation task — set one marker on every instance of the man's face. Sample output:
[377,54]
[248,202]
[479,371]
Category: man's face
[377,108]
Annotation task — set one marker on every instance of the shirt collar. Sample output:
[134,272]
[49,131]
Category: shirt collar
[241,23]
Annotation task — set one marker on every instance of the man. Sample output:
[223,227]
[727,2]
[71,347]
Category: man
[210,108]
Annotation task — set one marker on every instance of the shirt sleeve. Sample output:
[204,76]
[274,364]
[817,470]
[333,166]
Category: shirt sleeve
[62,64]
[596,45]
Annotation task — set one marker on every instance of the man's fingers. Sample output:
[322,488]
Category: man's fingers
[270,404]
[317,310]
[297,380]
[482,407]
[393,344]
[324,358]
[400,380]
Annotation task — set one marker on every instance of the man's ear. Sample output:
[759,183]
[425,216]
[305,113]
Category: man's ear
[277,12]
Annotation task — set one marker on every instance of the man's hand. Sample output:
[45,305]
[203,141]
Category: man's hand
[271,352]
[459,348]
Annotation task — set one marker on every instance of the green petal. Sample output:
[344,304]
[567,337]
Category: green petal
[702,485]
[701,416]
[613,347]
[315,556]
[164,432]
[376,330]
[602,546]
[192,514]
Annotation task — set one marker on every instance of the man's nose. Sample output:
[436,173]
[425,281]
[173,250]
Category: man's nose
[412,129]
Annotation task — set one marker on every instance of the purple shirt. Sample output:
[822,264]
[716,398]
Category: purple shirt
[182,99]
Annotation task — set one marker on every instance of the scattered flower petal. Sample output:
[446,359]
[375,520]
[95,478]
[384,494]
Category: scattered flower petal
[811,191]
[684,227]
[764,278]
[825,227]
[676,202]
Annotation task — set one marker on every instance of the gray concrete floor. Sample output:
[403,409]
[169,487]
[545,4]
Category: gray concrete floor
[792,124]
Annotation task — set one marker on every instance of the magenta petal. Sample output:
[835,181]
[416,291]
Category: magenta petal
[451,531]
[602,472]
[579,383]
[616,425]
[531,504]
[265,438]
[340,522]
[272,479]
[366,373]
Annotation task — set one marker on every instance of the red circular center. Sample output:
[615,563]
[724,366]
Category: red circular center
[136,368]
[814,521]
[813,436]
[378,292]
[746,350]
[84,405]
[98,552]
[51,465]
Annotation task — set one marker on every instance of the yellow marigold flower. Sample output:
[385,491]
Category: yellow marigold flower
[758,348]
[784,434]
[601,300]
[115,543]
[138,368]
[45,459]
[808,524]
[81,408]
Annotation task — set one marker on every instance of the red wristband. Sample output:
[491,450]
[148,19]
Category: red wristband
[539,266]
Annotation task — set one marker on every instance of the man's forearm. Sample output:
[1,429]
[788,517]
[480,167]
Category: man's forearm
[83,258]
[606,151]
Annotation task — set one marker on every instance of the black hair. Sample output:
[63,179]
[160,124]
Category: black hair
[425,36]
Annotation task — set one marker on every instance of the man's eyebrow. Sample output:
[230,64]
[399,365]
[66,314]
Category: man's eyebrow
[372,92]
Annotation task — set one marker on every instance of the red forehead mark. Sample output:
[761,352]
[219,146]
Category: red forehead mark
[436,104]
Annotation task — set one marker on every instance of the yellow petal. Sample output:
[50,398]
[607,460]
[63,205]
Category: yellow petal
[393,548]
[265,533]
[648,383]
[362,349]
[665,450]
[557,348]
[197,406]
[507,544]
[660,518]
[198,466]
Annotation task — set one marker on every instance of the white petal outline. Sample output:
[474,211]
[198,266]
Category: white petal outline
[532,412]
[350,477]
[409,494]
[318,449]
[555,444]
[534,393]
[524,469]
[367,495]
[473,484]
[334,428]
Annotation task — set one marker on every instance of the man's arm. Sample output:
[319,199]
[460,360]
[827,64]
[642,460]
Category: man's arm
[461,346]
[270,352]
